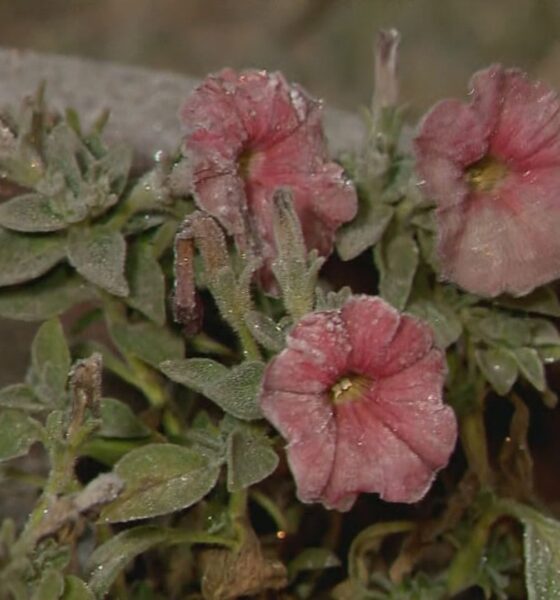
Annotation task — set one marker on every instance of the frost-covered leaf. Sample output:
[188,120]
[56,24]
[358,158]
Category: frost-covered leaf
[17,432]
[396,258]
[541,542]
[331,300]
[365,230]
[99,254]
[530,365]
[118,421]
[24,257]
[61,149]
[146,341]
[115,164]
[499,367]
[112,557]
[543,300]
[267,333]
[444,321]
[31,213]
[159,479]
[146,281]
[20,396]
[250,457]
[235,391]
[76,589]
[50,362]
[45,298]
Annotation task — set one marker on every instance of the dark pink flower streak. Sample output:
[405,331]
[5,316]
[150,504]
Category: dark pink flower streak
[493,168]
[357,393]
[250,133]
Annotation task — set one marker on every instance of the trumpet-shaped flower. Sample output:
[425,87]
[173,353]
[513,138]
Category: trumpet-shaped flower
[357,394]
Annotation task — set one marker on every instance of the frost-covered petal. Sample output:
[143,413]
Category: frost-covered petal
[307,423]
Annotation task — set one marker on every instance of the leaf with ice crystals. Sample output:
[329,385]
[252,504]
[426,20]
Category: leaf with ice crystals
[396,257]
[499,368]
[111,558]
[530,365]
[541,542]
[98,254]
[31,213]
[160,479]
[45,298]
[267,333]
[365,230]
[20,396]
[61,148]
[250,457]
[543,300]
[118,421]
[17,432]
[25,257]
[76,589]
[235,390]
[115,165]
[445,323]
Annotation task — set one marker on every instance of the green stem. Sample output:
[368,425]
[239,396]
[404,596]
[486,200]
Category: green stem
[271,508]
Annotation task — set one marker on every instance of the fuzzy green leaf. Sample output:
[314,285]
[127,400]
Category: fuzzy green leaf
[51,586]
[250,458]
[365,230]
[147,283]
[112,557]
[20,396]
[235,391]
[76,589]
[118,421]
[531,367]
[499,367]
[49,296]
[397,260]
[31,213]
[61,148]
[50,363]
[445,323]
[17,432]
[312,559]
[267,333]
[543,300]
[160,479]
[25,257]
[115,164]
[98,254]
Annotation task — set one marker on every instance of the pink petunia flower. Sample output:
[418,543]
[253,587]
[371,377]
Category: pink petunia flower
[250,133]
[493,168]
[357,393]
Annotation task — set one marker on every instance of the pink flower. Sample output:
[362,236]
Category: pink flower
[250,133]
[357,394]
[493,168]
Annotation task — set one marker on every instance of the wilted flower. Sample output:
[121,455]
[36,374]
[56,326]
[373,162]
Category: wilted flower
[357,394]
[492,166]
[247,135]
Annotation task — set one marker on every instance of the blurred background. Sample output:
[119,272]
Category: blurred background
[323,44]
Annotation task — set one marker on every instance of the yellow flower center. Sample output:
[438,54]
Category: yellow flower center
[348,388]
[244,164]
[485,174]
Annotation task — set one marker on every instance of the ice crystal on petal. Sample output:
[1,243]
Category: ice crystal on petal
[250,133]
[492,166]
[357,393]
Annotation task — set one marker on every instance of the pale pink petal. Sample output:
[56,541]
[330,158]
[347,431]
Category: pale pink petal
[442,180]
[372,324]
[307,423]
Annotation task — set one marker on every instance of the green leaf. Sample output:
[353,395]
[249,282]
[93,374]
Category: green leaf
[235,391]
[267,333]
[146,341]
[312,559]
[147,283]
[498,367]
[250,458]
[115,164]
[531,367]
[49,296]
[543,300]
[549,354]
[118,421]
[20,396]
[331,300]
[397,261]
[160,479]
[444,321]
[365,230]
[497,327]
[25,257]
[544,333]
[17,432]
[541,542]
[61,148]
[76,589]
[50,362]
[31,213]
[51,586]
[98,254]
[112,557]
